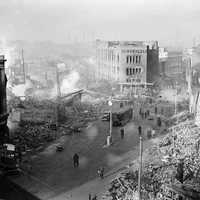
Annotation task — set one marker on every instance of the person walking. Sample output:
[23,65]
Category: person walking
[90,197]
[76,160]
[139,130]
[145,115]
[95,197]
[148,113]
[122,133]
[156,110]
[101,172]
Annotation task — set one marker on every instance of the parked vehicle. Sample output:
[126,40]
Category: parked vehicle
[106,116]
[121,117]
[8,159]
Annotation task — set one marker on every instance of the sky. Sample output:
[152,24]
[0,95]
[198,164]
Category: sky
[168,21]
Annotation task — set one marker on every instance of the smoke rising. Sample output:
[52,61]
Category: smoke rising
[69,83]
[19,90]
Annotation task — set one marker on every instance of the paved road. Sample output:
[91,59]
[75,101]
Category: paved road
[53,172]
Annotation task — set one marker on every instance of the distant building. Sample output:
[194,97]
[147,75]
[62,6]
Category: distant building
[163,56]
[192,60]
[174,64]
[127,62]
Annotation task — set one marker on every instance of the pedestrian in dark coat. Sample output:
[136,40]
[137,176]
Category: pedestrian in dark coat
[139,130]
[76,160]
[90,197]
[101,172]
[156,110]
[95,197]
[140,112]
[122,133]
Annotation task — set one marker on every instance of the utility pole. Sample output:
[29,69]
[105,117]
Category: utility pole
[23,67]
[140,162]
[189,82]
[109,137]
[110,130]
[58,96]
[175,109]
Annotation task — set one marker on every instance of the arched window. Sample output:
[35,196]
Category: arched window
[139,59]
[127,59]
[127,71]
[130,71]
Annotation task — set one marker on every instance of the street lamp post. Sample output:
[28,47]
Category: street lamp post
[140,162]
[110,131]
[109,138]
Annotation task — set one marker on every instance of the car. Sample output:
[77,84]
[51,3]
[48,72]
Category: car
[59,148]
[105,117]
[150,118]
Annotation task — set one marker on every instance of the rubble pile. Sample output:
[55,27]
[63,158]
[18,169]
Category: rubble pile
[33,137]
[172,163]
[38,126]
[81,115]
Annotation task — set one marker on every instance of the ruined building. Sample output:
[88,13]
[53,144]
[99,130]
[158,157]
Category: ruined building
[127,62]
[3,102]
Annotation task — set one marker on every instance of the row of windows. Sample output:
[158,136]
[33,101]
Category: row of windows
[132,71]
[133,59]
[134,51]
[128,80]
[109,55]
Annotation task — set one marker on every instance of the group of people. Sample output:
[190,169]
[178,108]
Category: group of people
[145,114]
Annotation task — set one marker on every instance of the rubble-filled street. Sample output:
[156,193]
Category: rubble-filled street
[99,100]
[55,169]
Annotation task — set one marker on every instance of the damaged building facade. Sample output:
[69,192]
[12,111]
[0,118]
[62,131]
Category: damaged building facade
[128,63]
[4,132]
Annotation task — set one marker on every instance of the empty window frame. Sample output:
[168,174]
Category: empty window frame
[130,71]
[130,59]
[139,61]
[133,59]
[136,59]
[127,59]
[127,71]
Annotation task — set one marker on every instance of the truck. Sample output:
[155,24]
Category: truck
[119,117]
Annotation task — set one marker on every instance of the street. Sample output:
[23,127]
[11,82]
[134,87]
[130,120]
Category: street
[55,171]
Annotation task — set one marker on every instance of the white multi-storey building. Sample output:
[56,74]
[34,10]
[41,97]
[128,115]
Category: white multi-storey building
[127,62]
